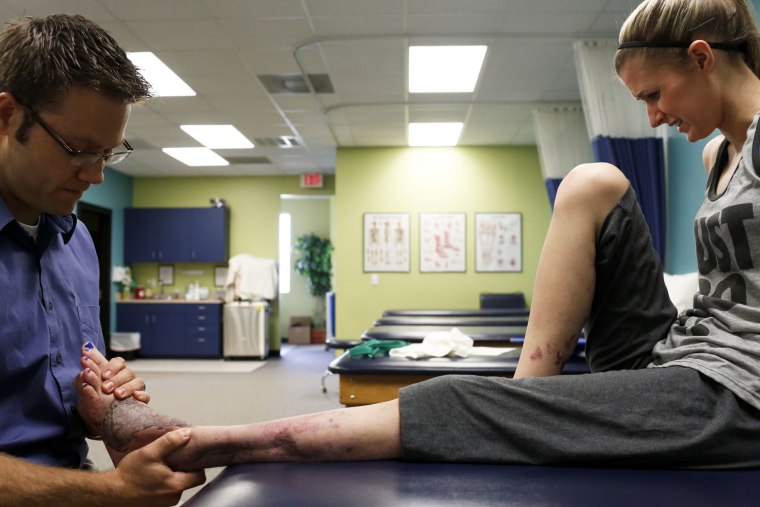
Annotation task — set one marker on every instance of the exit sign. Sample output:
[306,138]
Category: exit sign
[311,180]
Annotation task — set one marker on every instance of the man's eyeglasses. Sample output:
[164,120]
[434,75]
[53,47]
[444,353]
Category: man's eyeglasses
[78,157]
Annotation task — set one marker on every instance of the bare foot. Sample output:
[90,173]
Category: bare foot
[93,403]
[124,425]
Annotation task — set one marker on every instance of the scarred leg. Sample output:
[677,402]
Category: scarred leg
[565,279]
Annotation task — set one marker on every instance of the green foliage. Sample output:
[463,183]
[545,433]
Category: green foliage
[314,263]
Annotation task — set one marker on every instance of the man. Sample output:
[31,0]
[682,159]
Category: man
[66,89]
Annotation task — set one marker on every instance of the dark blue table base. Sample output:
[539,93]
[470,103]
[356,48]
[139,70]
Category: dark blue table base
[394,483]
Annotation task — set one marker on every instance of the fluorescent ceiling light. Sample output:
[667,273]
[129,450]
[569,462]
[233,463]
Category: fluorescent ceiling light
[163,81]
[434,134]
[195,157]
[218,136]
[444,69]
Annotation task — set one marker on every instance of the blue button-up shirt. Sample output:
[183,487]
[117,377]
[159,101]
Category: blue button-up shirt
[48,309]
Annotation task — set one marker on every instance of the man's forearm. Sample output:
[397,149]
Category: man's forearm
[24,484]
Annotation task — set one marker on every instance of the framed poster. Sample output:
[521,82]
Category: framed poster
[166,274]
[386,242]
[220,276]
[498,242]
[442,242]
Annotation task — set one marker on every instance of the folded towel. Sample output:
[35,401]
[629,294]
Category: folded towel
[375,348]
[452,343]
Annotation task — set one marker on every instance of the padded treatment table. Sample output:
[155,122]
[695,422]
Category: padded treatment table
[364,380]
[400,484]
[511,320]
[501,312]
[482,335]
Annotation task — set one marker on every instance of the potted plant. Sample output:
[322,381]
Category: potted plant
[315,264]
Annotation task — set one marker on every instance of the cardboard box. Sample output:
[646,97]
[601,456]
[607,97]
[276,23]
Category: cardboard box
[299,332]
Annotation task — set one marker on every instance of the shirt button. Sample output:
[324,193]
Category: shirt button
[50,305]
[58,358]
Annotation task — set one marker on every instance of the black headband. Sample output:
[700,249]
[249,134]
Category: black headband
[741,47]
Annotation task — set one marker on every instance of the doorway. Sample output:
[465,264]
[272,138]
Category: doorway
[98,222]
[307,215]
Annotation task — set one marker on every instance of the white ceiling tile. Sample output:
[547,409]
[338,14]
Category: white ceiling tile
[270,60]
[177,35]
[91,9]
[148,10]
[295,101]
[469,23]
[540,23]
[219,46]
[265,32]
[327,25]
[238,9]
[355,7]
[460,7]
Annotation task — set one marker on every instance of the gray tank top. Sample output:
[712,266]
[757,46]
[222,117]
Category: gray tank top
[720,336]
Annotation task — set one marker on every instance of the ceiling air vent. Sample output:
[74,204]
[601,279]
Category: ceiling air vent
[294,83]
[248,160]
[277,142]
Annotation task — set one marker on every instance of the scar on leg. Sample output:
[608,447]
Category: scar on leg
[130,424]
[537,355]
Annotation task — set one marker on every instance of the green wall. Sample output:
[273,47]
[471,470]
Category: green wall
[415,180]
[254,204]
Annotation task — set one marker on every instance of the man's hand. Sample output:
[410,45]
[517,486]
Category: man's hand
[116,377]
[145,479]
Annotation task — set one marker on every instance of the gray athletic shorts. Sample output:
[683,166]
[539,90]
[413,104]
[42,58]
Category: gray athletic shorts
[622,414]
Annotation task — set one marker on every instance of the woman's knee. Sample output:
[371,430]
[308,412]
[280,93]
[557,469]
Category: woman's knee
[598,186]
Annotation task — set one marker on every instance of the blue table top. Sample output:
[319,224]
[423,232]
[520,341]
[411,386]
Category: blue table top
[458,313]
[416,333]
[518,320]
[503,365]
[399,484]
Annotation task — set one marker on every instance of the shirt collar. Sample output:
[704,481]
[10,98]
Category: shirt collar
[63,224]
[5,215]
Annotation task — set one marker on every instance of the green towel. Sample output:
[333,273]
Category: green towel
[376,348]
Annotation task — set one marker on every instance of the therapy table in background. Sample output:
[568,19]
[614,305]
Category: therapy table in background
[518,320]
[365,380]
[497,335]
[400,484]
[503,312]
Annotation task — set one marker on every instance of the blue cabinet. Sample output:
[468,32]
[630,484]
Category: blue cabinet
[173,329]
[176,234]
[203,330]
[208,239]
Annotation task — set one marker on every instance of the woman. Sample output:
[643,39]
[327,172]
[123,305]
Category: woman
[666,391]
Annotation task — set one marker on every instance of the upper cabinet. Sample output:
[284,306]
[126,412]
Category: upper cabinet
[176,235]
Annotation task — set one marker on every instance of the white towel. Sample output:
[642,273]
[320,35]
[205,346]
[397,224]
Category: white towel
[452,343]
[251,278]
